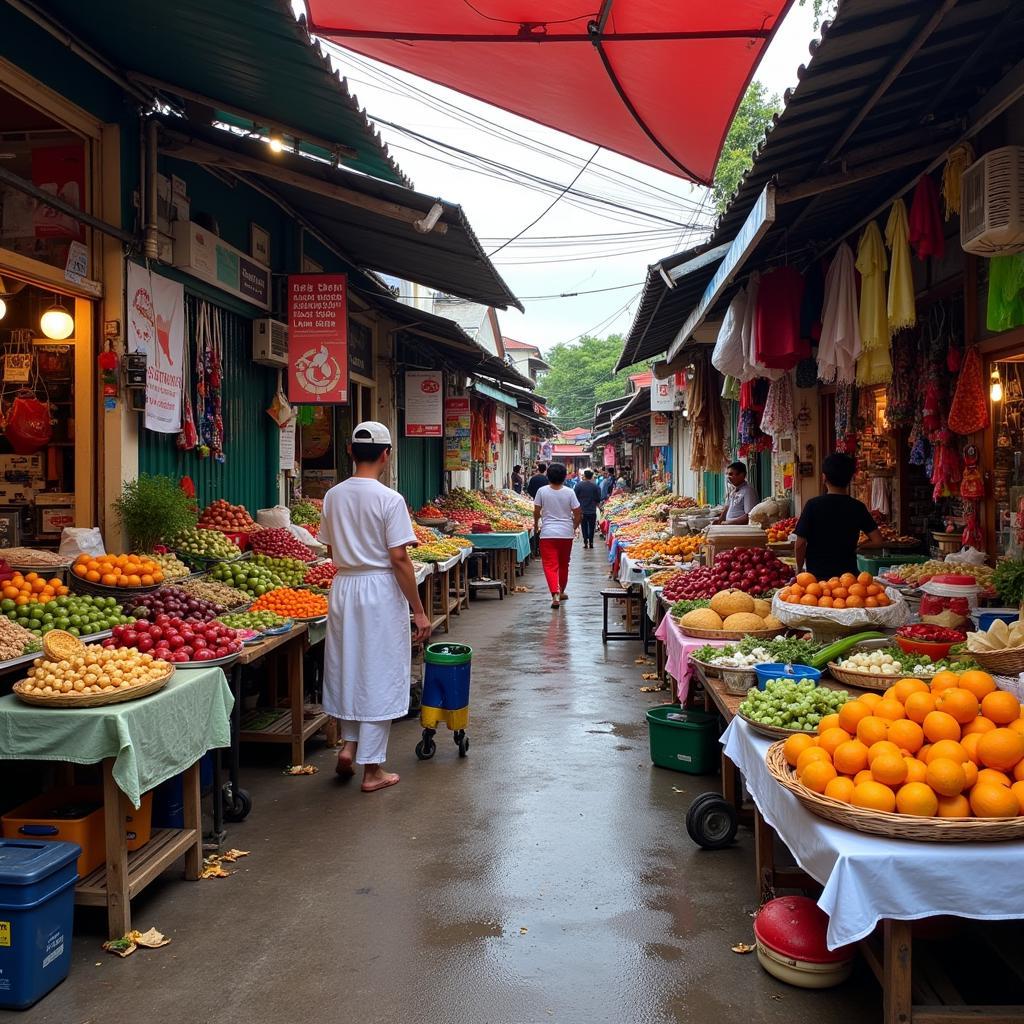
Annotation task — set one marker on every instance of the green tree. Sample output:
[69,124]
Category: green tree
[824,10]
[746,131]
[582,375]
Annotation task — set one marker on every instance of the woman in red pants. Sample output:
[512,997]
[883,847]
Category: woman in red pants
[556,509]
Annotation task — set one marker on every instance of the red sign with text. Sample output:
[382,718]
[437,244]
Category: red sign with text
[318,339]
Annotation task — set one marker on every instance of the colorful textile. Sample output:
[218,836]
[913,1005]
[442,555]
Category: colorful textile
[872,264]
[959,159]
[968,411]
[1005,292]
[779,419]
[780,344]
[925,223]
[901,309]
[840,344]
[728,356]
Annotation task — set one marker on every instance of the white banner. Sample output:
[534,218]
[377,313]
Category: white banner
[156,326]
[659,430]
[424,404]
[286,448]
[663,394]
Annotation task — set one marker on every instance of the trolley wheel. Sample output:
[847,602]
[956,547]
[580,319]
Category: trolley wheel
[237,803]
[463,745]
[712,822]
[426,748]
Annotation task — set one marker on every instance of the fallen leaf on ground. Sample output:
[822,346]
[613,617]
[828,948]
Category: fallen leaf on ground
[523,590]
[232,855]
[523,931]
[648,675]
[649,689]
[301,769]
[214,871]
[743,947]
[643,661]
[121,947]
[151,939]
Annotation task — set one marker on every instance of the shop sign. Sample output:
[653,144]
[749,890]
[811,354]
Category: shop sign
[659,430]
[59,170]
[424,403]
[499,418]
[202,254]
[318,339]
[457,430]
[360,349]
[156,328]
[286,447]
[17,367]
[609,455]
[663,394]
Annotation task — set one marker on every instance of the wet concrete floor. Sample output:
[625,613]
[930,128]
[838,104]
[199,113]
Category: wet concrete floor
[547,877]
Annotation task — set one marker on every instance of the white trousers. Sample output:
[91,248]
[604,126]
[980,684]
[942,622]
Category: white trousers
[372,738]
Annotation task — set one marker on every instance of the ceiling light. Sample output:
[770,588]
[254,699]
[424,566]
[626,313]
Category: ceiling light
[276,144]
[3,309]
[57,323]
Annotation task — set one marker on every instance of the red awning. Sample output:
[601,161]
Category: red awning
[655,80]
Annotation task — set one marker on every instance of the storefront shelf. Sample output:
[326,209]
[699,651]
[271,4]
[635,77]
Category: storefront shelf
[280,730]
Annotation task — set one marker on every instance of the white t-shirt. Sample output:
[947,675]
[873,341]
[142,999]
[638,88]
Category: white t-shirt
[740,502]
[361,519]
[556,509]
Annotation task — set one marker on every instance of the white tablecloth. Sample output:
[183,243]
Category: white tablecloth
[868,878]
[629,572]
[423,570]
[652,596]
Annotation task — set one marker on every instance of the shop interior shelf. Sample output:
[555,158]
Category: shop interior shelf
[165,846]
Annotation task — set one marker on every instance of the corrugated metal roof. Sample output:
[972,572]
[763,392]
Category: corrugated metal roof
[250,55]
[375,235]
[973,46]
[638,406]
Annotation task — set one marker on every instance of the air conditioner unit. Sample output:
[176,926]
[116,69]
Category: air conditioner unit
[270,342]
[992,203]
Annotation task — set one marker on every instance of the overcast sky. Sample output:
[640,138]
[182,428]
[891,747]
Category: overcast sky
[574,247]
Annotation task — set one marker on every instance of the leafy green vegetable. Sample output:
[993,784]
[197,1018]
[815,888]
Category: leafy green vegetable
[1008,579]
[682,607]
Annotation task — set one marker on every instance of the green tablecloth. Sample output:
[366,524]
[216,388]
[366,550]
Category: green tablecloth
[152,739]
[519,542]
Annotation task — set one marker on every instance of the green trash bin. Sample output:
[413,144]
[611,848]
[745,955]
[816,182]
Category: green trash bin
[875,565]
[683,740]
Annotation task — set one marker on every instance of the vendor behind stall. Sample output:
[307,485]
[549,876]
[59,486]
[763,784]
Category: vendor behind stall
[741,498]
[829,526]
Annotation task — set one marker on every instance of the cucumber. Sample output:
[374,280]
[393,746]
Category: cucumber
[840,647]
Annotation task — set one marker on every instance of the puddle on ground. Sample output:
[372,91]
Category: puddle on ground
[461,932]
[625,730]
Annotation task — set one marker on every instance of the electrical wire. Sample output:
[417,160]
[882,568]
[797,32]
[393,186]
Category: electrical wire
[558,295]
[551,206]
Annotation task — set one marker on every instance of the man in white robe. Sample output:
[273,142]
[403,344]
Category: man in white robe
[367,658]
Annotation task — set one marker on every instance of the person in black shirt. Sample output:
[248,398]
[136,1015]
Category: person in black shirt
[517,479]
[589,496]
[831,524]
[538,480]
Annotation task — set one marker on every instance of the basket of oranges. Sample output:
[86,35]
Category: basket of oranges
[119,576]
[938,762]
[839,606]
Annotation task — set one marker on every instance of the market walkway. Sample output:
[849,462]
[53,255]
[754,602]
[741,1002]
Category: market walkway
[548,877]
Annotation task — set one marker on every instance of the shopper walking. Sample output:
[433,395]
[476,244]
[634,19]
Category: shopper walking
[517,479]
[367,657]
[589,496]
[556,510]
[607,484]
[538,480]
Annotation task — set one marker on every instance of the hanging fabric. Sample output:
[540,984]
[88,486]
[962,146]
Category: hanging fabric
[210,382]
[872,264]
[728,354]
[968,411]
[960,157]
[846,438]
[1005,292]
[925,222]
[901,309]
[188,436]
[707,424]
[779,417]
[840,344]
[780,344]
[749,329]
[903,391]
[807,373]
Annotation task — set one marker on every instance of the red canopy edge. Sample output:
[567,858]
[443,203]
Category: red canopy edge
[654,80]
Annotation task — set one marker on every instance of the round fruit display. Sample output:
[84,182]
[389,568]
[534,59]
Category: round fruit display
[256,621]
[177,640]
[280,543]
[953,747]
[175,601]
[79,614]
[208,545]
[792,704]
[221,515]
[321,575]
[261,574]
[292,604]
[754,571]
[32,588]
[127,571]
[96,670]
[839,592]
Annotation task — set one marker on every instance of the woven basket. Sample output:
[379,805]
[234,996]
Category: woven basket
[59,645]
[710,671]
[865,680]
[738,680]
[119,594]
[90,700]
[773,732]
[425,521]
[892,826]
[729,634]
[1001,663]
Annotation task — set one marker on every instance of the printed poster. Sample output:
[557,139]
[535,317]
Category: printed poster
[457,430]
[318,339]
[659,430]
[156,327]
[424,399]
[663,394]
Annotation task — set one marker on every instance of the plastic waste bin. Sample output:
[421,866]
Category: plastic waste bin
[445,699]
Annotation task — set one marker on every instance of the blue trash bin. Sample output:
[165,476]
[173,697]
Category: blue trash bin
[445,698]
[37,906]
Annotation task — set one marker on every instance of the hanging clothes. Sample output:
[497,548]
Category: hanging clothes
[728,356]
[779,417]
[812,304]
[840,343]
[968,411]
[925,223]
[1005,292]
[748,331]
[846,437]
[901,309]
[960,157]
[780,344]
[872,264]
[881,501]
[707,424]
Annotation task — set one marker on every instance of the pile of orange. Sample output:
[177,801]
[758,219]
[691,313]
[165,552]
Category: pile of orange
[118,570]
[846,591]
[685,546]
[32,589]
[952,749]
[292,604]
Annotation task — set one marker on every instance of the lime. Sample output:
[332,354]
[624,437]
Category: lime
[7,604]
[74,631]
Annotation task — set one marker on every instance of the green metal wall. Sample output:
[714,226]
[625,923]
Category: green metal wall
[420,468]
[248,475]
